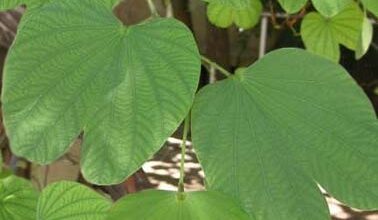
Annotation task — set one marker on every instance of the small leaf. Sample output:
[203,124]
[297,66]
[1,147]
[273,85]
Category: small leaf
[244,13]
[329,8]
[75,67]
[71,201]
[270,134]
[18,199]
[365,39]
[292,6]
[371,5]
[158,205]
[323,35]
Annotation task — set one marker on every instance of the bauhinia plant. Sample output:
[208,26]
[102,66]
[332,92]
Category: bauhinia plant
[266,136]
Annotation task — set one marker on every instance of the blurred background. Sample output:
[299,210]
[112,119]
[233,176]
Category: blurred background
[231,48]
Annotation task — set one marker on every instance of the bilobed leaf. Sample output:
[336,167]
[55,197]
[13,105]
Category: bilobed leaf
[366,37]
[371,5]
[75,67]
[268,135]
[71,201]
[323,35]
[18,199]
[329,8]
[292,6]
[157,205]
[244,13]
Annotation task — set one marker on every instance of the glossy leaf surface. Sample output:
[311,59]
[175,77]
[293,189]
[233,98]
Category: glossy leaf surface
[75,67]
[280,128]
[156,205]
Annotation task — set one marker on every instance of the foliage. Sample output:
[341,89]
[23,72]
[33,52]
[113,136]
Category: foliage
[18,199]
[128,98]
[292,6]
[73,201]
[266,135]
[323,35]
[336,22]
[174,206]
[279,128]
[244,13]
[59,201]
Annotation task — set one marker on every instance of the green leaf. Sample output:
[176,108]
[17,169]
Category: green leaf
[268,135]
[323,35]
[75,67]
[18,199]
[1,161]
[292,6]
[10,4]
[154,205]
[371,5]
[329,8]
[71,201]
[244,13]
[365,39]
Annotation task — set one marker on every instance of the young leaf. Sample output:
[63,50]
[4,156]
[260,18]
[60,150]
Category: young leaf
[73,201]
[365,39]
[75,67]
[329,8]
[323,35]
[18,199]
[268,135]
[292,6]
[168,206]
[244,13]
[371,5]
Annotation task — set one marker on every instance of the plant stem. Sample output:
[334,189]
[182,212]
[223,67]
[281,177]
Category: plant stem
[183,153]
[216,66]
[152,8]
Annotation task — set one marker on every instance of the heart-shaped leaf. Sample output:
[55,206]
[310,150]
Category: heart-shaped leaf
[292,6]
[71,201]
[371,5]
[18,199]
[75,67]
[157,205]
[330,8]
[268,135]
[322,35]
[244,13]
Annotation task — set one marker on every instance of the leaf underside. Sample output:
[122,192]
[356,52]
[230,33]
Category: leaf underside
[166,205]
[281,126]
[74,67]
